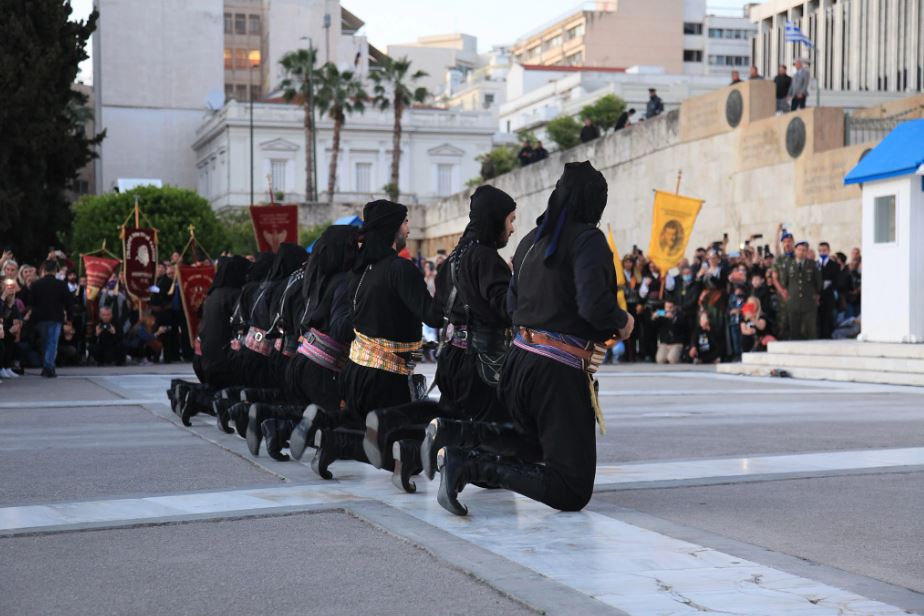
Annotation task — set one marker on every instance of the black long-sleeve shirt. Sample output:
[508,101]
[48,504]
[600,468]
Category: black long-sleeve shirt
[574,293]
[50,300]
[483,278]
[390,300]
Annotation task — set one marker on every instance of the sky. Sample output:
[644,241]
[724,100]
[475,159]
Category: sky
[493,22]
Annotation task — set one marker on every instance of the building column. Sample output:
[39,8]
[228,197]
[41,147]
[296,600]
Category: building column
[821,43]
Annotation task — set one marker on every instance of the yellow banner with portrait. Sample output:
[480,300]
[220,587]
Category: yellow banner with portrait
[671,227]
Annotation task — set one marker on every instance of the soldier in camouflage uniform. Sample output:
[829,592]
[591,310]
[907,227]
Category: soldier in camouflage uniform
[783,259]
[801,281]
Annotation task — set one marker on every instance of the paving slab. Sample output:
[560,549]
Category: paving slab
[866,524]
[314,563]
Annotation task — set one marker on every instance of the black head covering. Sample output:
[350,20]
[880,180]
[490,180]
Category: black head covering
[381,221]
[579,196]
[488,212]
[289,258]
[261,267]
[231,273]
[333,253]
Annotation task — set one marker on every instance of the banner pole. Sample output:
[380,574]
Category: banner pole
[137,214]
[679,174]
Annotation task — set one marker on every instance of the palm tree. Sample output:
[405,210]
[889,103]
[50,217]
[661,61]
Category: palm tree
[395,78]
[338,94]
[300,82]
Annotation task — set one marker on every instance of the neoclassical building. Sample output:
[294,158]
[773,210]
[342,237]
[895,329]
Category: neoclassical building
[438,150]
[860,45]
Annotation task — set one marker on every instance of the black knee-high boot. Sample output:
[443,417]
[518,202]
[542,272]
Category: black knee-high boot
[239,414]
[385,426]
[460,467]
[253,394]
[260,413]
[499,438]
[406,454]
[313,419]
[220,406]
[338,444]
[196,400]
[276,434]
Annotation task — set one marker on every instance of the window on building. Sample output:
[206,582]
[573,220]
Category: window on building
[692,55]
[575,32]
[278,173]
[254,23]
[488,100]
[444,180]
[229,91]
[692,28]
[363,177]
[723,60]
[240,58]
[229,61]
[240,23]
[884,219]
[575,59]
[240,92]
[553,42]
[229,23]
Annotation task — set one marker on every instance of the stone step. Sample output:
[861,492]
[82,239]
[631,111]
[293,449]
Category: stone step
[848,348]
[828,374]
[835,362]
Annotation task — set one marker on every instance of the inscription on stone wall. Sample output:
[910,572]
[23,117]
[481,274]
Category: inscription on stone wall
[760,145]
[703,116]
[820,178]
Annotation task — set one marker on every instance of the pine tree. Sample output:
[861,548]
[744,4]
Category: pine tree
[42,139]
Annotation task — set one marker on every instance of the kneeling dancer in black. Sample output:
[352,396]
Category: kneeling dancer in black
[389,300]
[563,302]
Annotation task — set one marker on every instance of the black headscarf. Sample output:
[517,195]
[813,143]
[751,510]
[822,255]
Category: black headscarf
[289,258]
[487,215]
[261,267]
[333,253]
[579,196]
[381,221]
[231,273]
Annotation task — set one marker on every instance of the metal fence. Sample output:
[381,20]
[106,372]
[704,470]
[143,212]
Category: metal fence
[866,130]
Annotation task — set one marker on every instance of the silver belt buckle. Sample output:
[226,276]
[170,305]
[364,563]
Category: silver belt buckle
[258,336]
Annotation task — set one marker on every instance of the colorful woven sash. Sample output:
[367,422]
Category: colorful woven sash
[323,350]
[382,354]
[256,341]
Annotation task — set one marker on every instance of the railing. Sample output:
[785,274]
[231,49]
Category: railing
[866,130]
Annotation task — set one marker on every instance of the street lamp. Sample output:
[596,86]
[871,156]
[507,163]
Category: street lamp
[253,59]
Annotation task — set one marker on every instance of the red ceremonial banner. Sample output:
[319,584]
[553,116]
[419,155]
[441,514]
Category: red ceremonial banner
[99,270]
[273,225]
[194,282]
[140,254]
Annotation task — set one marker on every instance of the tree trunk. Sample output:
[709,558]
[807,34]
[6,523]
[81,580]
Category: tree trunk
[309,150]
[396,147]
[334,155]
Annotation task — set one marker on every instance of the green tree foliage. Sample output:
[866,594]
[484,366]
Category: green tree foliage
[527,135]
[604,111]
[238,230]
[42,140]
[307,235]
[498,161]
[170,210]
[565,131]
[394,88]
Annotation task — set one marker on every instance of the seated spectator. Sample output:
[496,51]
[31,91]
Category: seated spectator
[704,347]
[10,328]
[589,131]
[141,341]
[525,155]
[672,334]
[539,153]
[755,328]
[68,347]
[847,328]
[735,303]
[107,345]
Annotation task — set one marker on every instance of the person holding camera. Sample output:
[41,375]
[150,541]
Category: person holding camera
[672,333]
[107,346]
[704,344]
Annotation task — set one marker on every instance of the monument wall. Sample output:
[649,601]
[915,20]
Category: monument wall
[754,170]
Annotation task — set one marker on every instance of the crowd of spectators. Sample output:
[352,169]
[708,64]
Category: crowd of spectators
[49,320]
[720,304]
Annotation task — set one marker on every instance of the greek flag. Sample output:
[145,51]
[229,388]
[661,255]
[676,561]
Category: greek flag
[794,35]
